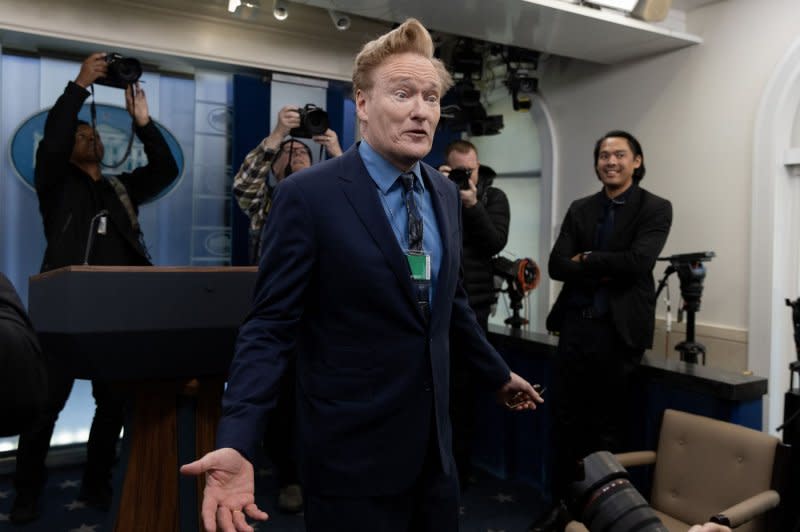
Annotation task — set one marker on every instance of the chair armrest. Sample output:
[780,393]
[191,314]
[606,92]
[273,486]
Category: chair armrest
[749,509]
[636,458]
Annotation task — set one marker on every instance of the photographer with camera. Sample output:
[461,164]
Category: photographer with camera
[485,214]
[76,199]
[605,314]
[273,160]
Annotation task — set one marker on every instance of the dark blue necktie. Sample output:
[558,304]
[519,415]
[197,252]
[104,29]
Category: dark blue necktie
[414,217]
[415,238]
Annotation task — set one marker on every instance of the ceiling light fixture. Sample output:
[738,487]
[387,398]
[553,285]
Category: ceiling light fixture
[233,4]
[341,22]
[280,10]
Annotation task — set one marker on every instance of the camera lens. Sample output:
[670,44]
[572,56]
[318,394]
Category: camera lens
[129,69]
[316,121]
[605,500]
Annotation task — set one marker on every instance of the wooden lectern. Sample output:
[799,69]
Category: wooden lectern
[170,333]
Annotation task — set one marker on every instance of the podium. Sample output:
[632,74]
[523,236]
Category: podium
[166,332]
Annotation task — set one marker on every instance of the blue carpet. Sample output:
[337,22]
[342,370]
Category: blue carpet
[488,505]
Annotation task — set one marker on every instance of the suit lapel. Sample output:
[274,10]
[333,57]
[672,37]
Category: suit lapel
[436,185]
[360,190]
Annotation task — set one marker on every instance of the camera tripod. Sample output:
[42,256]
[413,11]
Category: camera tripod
[691,273]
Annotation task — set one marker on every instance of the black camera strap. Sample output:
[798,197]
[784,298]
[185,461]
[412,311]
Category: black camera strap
[93,112]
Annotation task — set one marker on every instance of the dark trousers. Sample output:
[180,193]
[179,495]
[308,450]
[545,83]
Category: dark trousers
[279,440]
[430,505]
[462,405]
[594,369]
[100,449]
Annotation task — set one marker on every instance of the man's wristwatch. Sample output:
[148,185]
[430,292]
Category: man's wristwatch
[584,255]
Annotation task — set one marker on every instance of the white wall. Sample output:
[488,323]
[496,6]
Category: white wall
[693,110]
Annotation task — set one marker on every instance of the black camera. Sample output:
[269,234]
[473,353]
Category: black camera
[122,71]
[604,498]
[460,176]
[313,121]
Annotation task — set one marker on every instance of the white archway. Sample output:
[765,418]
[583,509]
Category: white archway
[548,144]
[774,234]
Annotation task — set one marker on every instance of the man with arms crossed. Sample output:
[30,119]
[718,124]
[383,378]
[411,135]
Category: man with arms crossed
[605,313]
[360,279]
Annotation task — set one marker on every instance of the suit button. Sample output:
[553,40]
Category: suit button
[427,386]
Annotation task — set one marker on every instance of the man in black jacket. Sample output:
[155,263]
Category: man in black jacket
[23,379]
[72,191]
[605,313]
[485,216]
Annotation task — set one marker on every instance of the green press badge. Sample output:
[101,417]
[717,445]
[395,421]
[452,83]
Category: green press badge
[420,266]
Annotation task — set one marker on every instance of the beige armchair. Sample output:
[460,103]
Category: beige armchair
[705,467]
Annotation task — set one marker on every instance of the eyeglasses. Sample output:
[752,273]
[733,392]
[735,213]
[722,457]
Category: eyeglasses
[296,152]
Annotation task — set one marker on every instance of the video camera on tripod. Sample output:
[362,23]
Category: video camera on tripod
[691,274]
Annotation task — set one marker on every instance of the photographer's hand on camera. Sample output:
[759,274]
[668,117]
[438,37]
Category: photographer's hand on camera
[288,118]
[330,140]
[136,105]
[469,197]
[92,68]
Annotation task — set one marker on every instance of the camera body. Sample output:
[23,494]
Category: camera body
[122,71]
[313,121]
[460,176]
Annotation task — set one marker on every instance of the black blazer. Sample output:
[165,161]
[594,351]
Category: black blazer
[640,231]
[372,376]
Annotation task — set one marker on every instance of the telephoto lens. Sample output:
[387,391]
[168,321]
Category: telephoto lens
[606,501]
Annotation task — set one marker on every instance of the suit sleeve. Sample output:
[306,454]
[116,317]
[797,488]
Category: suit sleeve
[560,266]
[640,257]
[469,340]
[268,336]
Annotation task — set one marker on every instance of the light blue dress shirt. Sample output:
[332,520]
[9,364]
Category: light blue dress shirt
[390,194]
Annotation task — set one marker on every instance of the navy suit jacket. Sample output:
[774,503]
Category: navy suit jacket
[334,289]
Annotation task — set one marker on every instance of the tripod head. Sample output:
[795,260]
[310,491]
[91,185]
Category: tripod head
[691,273]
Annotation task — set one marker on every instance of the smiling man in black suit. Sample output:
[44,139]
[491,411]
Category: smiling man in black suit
[605,313]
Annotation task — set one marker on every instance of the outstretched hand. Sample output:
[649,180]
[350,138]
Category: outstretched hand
[518,394]
[229,494]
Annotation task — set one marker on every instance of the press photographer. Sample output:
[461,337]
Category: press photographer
[485,215]
[274,159]
[73,195]
[269,163]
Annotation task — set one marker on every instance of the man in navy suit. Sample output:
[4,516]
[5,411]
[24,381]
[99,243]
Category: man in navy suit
[360,277]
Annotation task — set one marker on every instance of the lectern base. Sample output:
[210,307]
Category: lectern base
[172,423]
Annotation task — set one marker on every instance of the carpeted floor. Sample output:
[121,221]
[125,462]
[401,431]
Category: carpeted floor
[488,505]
